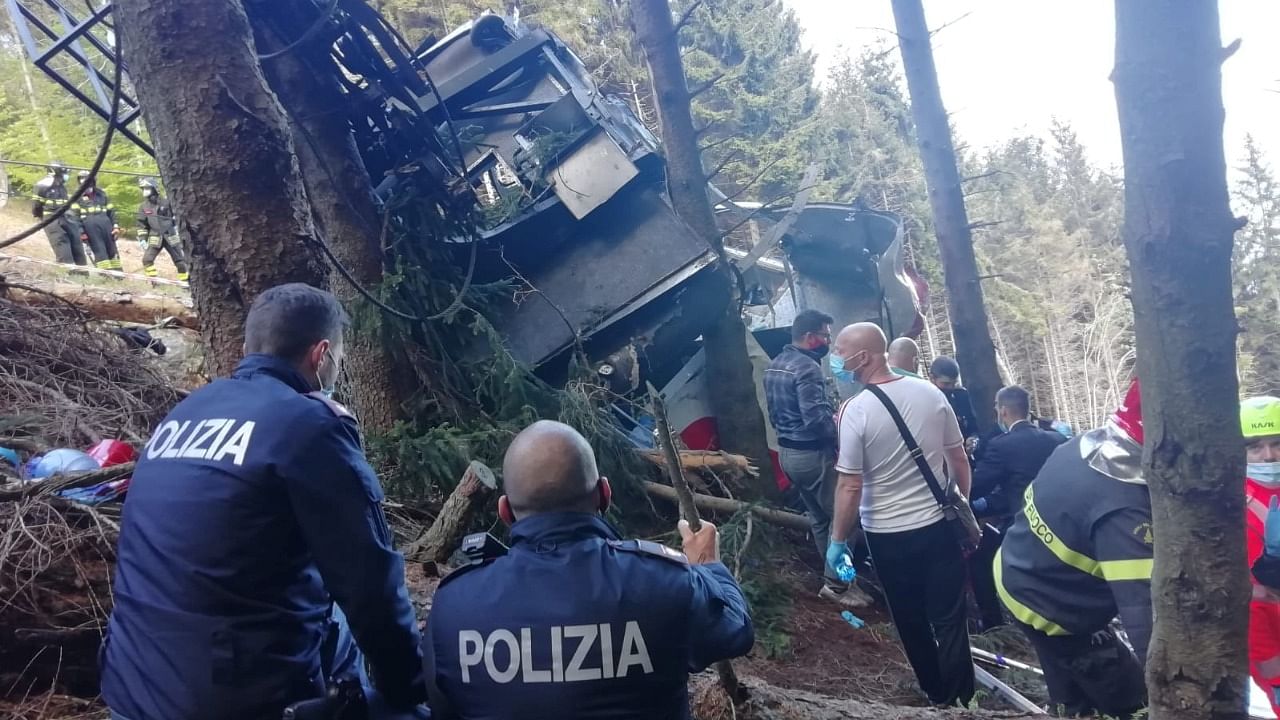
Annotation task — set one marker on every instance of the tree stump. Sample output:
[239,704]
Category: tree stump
[445,534]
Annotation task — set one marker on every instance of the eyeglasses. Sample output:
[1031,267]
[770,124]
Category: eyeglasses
[824,336]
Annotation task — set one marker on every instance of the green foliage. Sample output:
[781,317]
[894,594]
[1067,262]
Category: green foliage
[1257,274]
[759,114]
[49,124]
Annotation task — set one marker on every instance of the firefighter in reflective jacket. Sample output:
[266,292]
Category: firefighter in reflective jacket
[1260,423]
[155,230]
[1078,554]
[63,233]
[98,219]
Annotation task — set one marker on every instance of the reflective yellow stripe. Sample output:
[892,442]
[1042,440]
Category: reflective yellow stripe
[183,277]
[149,271]
[1119,570]
[1023,613]
[1075,559]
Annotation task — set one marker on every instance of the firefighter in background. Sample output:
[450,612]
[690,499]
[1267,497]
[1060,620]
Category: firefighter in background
[1260,423]
[98,220]
[1080,553]
[63,233]
[155,230]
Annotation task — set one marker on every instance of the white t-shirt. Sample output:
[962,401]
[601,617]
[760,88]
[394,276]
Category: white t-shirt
[895,496]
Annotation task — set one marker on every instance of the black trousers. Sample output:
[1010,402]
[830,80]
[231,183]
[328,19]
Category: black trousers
[1089,674]
[922,572]
[982,576]
[101,241]
[64,238]
[156,243]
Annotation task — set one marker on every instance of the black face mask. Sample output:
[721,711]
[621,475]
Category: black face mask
[819,352]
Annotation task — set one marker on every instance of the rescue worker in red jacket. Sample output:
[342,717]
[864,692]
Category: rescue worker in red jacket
[1260,423]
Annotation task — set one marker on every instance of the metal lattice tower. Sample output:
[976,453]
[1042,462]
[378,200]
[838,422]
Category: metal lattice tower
[77,50]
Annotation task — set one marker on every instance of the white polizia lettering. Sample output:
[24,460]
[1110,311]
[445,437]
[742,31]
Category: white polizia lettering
[209,439]
[590,650]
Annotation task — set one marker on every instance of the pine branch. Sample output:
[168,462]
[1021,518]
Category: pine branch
[754,179]
[687,16]
[732,156]
[706,85]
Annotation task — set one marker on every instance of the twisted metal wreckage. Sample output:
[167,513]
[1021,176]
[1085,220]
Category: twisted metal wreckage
[569,186]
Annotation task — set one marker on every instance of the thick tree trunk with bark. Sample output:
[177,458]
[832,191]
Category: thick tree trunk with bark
[224,148]
[1178,232]
[731,385]
[974,350]
[341,196]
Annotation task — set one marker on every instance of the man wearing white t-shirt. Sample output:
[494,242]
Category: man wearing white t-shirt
[916,556]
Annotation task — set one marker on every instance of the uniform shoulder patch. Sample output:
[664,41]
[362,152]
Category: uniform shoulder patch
[651,549]
[334,406]
[463,570]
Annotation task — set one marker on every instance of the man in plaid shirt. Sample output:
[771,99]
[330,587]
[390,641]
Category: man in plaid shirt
[802,414]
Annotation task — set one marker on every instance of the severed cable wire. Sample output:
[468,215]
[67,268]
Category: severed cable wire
[49,219]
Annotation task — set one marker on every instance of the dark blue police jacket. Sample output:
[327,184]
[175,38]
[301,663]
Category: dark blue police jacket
[574,623]
[251,510]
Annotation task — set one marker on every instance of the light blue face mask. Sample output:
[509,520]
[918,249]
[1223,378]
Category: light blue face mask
[836,363]
[1267,473]
[327,391]
[1003,428]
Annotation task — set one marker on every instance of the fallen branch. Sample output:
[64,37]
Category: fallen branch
[708,460]
[105,304]
[89,433]
[59,482]
[688,510]
[724,505]
[445,534]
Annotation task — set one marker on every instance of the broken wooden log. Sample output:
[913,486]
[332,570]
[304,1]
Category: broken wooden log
[106,304]
[725,505]
[711,460]
[445,534]
[689,511]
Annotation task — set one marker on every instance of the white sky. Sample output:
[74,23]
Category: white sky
[1011,66]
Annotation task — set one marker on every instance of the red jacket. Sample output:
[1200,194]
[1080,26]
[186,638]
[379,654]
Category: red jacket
[1264,608]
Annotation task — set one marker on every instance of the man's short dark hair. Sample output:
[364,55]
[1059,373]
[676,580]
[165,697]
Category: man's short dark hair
[1016,399]
[809,321]
[288,319]
[944,367]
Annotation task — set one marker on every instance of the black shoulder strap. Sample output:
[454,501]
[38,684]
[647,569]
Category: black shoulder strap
[650,549]
[912,446]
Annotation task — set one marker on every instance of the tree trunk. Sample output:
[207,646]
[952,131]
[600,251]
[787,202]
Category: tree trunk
[1178,235]
[732,392]
[224,148]
[974,350]
[341,197]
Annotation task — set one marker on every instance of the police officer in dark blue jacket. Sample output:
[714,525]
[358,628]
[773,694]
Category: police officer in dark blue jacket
[575,623]
[251,513]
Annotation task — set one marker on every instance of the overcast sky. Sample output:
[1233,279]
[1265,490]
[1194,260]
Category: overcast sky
[1011,66]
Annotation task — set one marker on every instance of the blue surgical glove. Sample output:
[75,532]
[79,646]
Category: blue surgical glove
[838,553]
[979,506]
[1270,534]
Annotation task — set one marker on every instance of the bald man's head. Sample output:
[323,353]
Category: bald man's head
[904,354]
[862,346]
[550,467]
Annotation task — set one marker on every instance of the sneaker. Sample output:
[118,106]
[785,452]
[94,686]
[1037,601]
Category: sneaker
[851,598]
